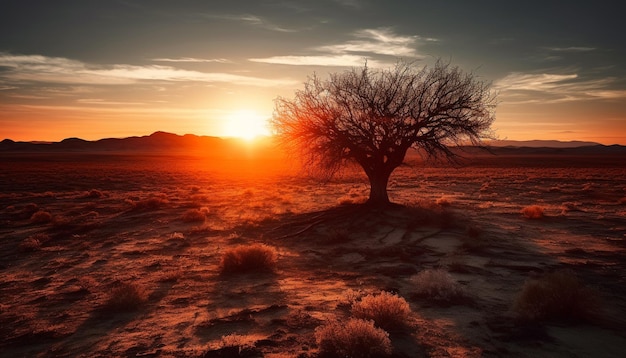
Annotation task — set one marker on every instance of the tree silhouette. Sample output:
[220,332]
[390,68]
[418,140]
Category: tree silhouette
[372,117]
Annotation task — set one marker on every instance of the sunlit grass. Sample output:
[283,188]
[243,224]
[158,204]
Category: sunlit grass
[533,212]
[126,297]
[387,310]
[249,258]
[355,338]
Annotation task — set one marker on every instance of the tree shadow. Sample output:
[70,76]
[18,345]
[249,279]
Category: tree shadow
[368,248]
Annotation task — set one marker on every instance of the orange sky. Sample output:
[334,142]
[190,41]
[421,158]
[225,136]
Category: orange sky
[130,68]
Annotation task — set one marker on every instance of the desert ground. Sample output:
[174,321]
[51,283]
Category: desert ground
[75,228]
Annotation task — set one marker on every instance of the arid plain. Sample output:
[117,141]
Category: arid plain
[77,227]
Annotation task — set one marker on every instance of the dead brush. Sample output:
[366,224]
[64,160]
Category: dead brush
[149,204]
[556,296]
[474,241]
[195,215]
[533,212]
[439,286]
[387,310]
[126,297]
[356,338]
[249,258]
[41,217]
[34,242]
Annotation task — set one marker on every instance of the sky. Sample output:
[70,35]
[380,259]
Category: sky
[116,68]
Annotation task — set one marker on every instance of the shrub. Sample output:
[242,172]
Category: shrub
[443,201]
[27,211]
[438,285]
[149,204]
[41,217]
[126,297]
[30,244]
[355,338]
[234,345]
[386,309]
[94,194]
[251,258]
[532,212]
[557,295]
[195,215]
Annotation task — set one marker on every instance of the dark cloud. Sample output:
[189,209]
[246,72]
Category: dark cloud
[535,51]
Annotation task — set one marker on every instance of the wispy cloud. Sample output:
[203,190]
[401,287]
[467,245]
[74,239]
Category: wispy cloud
[522,88]
[319,60]
[100,101]
[571,49]
[253,20]
[366,43]
[37,68]
[192,59]
[377,41]
[533,82]
[354,4]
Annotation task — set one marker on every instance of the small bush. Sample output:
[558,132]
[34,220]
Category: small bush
[252,258]
[94,194]
[41,217]
[443,201]
[149,204]
[126,297]
[355,338]
[387,310]
[438,285]
[195,215]
[30,244]
[533,212]
[558,295]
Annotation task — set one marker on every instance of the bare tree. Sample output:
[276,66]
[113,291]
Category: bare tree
[372,117]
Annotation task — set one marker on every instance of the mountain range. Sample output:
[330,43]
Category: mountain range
[189,143]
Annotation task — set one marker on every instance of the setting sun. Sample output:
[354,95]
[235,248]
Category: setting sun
[245,124]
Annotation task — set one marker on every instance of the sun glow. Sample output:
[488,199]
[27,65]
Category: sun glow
[245,124]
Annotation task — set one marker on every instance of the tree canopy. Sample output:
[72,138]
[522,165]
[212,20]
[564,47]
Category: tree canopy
[373,116]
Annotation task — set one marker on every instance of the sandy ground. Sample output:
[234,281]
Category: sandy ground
[122,219]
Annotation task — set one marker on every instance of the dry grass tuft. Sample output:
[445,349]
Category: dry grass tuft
[250,258]
[94,194]
[149,204]
[195,215]
[443,201]
[387,310]
[34,242]
[126,297]
[533,212]
[558,295]
[356,338]
[30,244]
[41,217]
[438,285]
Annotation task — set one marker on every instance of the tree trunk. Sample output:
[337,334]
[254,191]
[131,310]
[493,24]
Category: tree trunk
[378,188]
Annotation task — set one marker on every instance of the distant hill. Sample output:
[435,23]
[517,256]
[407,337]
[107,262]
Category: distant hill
[156,142]
[541,143]
[168,143]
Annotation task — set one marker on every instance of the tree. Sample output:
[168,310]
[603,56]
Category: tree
[372,117]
